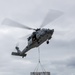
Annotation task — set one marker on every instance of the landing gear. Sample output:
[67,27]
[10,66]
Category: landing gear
[47,42]
[24,55]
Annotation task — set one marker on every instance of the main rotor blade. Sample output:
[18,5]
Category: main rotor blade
[25,37]
[12,23]
[51,16]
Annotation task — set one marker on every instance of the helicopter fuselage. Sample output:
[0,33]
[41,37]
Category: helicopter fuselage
[37,38]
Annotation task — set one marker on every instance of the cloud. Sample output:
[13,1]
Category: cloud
[71,62]
[64,66]
[58,57]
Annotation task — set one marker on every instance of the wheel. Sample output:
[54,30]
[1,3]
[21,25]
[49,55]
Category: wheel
[24,55]
[47,42]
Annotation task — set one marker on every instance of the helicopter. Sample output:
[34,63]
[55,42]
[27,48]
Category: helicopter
[38,36]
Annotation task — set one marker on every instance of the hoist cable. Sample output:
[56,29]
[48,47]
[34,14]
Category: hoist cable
[39,63]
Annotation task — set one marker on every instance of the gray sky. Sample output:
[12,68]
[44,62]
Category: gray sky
[58,57]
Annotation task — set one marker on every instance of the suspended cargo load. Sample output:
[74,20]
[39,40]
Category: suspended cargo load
[40,73]
[39,70]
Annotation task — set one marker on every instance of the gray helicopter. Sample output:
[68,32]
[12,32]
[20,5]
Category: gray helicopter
[39,36]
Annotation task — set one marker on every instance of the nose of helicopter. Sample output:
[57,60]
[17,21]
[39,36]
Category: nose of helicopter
[52,31]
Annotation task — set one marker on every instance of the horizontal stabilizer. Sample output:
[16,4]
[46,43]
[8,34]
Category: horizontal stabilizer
[18,54]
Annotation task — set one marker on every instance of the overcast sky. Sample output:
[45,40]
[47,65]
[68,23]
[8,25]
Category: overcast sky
[58,57]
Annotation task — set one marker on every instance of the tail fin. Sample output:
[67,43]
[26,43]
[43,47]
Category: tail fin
[17,48]
[18,53]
